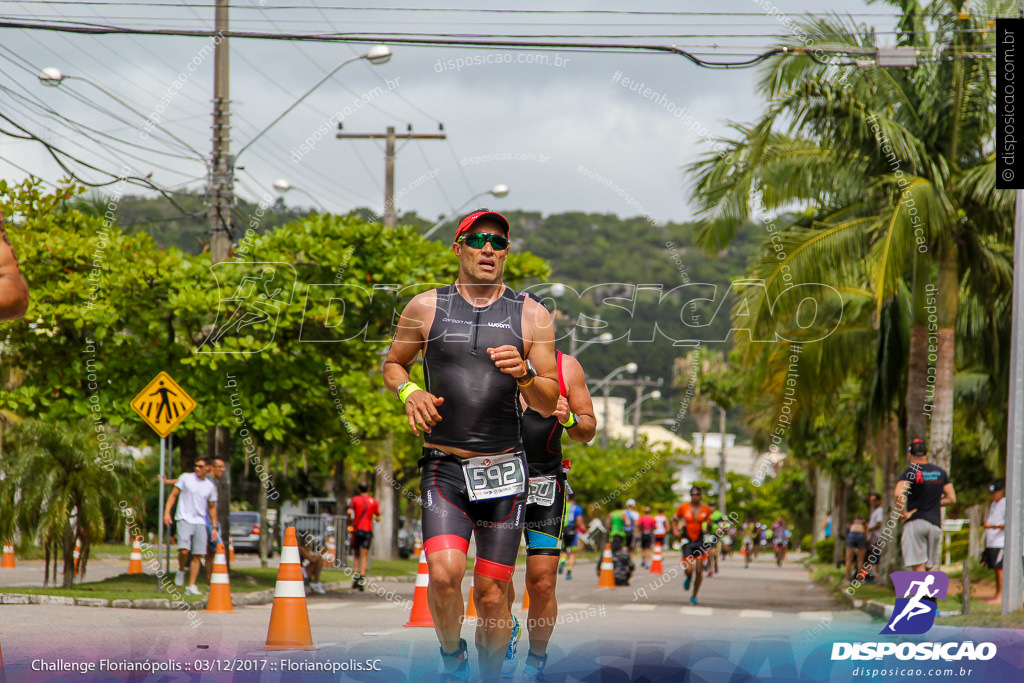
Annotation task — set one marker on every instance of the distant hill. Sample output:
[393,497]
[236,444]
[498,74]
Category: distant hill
[617,264]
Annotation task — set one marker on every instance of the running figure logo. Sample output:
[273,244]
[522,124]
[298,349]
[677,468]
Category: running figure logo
[914,613]
[259,292]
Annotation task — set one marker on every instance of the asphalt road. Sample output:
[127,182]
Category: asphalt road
[739,605]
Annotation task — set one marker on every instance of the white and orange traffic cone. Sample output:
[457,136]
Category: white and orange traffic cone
[135,559]
[77,554]
[420,613]
[656,560]
[607,578]
[471,605]
[231,549]
[220,587]
[526,599]
[330,551]
[418,547]
[289,618]
[7,562]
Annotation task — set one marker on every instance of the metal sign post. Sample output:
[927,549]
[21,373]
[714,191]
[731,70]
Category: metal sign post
[160,514]
[164,405]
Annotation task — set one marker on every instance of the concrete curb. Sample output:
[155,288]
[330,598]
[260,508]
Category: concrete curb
[264,597]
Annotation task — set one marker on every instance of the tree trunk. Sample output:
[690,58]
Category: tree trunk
[69,559]
[261,506]
[917,365]
[889,561]
[384,550]
[46,564]
[841,489]
[940,444]
[822,503]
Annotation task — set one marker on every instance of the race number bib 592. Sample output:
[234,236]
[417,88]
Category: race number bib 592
[494,476]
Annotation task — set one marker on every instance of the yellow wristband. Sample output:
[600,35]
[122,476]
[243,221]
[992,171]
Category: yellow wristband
[523,385]
[406,389]
[571,422]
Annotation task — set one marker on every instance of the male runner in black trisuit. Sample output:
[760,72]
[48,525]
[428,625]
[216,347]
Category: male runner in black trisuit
[482,345]
[545,508]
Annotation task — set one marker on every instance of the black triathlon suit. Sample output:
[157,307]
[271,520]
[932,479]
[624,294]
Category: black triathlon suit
[480,413]
[545,506]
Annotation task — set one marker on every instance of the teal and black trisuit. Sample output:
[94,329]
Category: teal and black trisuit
[545,507]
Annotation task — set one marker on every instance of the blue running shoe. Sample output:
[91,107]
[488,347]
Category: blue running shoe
[534,667]
[686,583]
[456,664]
[508,667]
[693,599]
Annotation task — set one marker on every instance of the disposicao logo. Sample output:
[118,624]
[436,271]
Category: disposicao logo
[914,613]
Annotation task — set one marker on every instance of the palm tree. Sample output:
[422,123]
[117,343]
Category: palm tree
[688,373]
[62,487]
[896,175]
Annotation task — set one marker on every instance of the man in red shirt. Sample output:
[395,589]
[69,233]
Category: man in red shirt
[362,511]
[689,520]
[646,525]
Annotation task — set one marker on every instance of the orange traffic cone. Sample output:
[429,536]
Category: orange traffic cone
[471,606]
[135,559]
[78,553]
[231,551]
[7,562]
[330,550]
[656,560]
[220,588]
[607,579]
[418,547]
[289,618]
[420,613]
[526,599]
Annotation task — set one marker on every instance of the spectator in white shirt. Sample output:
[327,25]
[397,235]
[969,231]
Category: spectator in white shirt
[198,496]
[995,523]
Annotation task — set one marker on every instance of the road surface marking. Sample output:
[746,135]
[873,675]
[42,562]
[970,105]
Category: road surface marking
[755,614]
[696,611]
[814,616]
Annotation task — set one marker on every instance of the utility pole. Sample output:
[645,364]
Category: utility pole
[389,138]
[220,191]
[1013,577]
[220,199]
[385,466]
[721,461]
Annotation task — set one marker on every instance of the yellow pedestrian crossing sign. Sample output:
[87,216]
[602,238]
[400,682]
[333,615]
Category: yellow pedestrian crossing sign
[163,404]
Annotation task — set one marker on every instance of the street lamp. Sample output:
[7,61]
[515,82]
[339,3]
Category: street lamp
[283,186]
[635,407]
[378,54]
[603,338]
[630,368]
[498,191]
[53,77]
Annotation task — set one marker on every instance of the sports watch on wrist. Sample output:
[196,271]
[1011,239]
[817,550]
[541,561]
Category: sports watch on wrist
[531,372]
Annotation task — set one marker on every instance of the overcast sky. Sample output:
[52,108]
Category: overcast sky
[563,135]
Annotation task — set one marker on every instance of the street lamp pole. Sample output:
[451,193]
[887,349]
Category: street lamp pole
[606,383]
[640,398]
[498,191]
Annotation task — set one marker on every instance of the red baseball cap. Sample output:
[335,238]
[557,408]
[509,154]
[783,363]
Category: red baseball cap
[466,223]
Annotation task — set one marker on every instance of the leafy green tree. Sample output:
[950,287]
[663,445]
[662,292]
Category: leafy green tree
[896,174]
[58,488]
